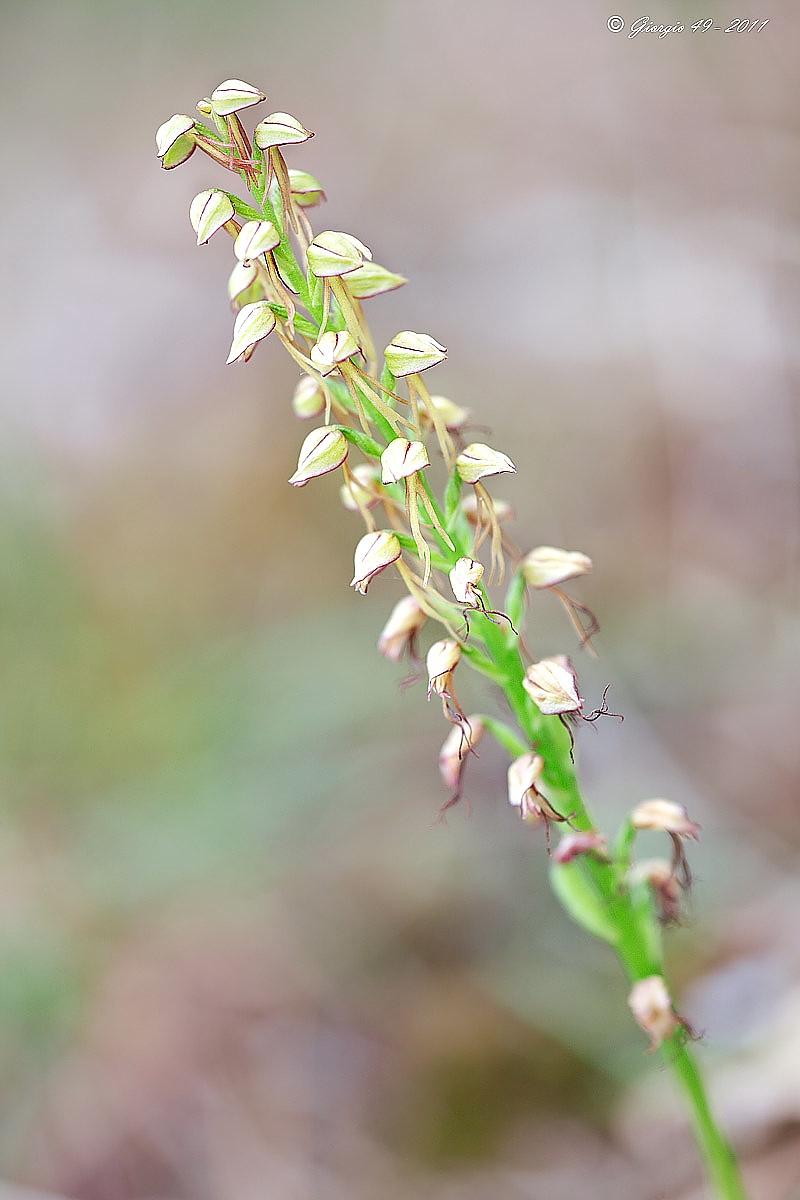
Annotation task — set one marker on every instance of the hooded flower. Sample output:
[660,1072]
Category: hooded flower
[374,553]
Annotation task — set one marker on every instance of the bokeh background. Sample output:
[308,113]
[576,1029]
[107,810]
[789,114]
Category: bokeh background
[237,957]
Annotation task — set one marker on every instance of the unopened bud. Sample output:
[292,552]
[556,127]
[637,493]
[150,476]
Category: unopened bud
[453,416]
[552,683]
[333,253]
[405,621]
[651,1005]
[280,129]
[457,745]
[547,565]
[240,283]
[253,323]
[374,553]
[410,352]
[464,578]
[372,279]
[254,239]
[472,509]
[175,141]
[323,450]
[233,95]
[204,107]
[479,460]
[575,844]
[441,661]
[306,190]
[208,212]
[363,488]
[522,776]
[308,399]
[401,459]
[332,349]
[666,816]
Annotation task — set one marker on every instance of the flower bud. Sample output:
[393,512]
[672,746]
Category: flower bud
[405,621]
[372,279]
[553,685]
[253,323]
[459,742]
[323,450]
[470,506]
[280,129]
[333,253]
[453,416]
[205,107]
[234,95]
[308,399]
[410,352]
[254,239]
[332,349]
[306,190]
[240,282]
[479,460]
[464,578]
[441,661]
[522,776]
[208,212]
[574,844]
[546,566]
[666,816]
[374,553]
[651,1005]
[175,141]
[401,459]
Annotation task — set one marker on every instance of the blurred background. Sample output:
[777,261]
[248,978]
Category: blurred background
[238,958]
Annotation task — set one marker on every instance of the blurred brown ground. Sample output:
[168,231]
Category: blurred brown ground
[236,958]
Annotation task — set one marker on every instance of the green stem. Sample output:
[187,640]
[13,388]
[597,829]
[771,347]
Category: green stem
[718,1155]
[637,941]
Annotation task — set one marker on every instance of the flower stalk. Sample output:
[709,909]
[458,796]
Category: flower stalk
[428,508]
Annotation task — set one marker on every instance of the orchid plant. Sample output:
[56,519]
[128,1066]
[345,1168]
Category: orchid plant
[392,441]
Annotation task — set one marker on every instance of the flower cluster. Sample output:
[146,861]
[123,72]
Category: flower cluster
[423,491]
